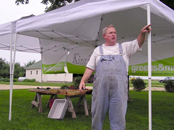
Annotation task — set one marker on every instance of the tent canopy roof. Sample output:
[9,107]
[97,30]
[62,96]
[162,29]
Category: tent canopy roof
[80,24]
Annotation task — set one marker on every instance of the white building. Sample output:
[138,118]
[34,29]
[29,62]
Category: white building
[34,72]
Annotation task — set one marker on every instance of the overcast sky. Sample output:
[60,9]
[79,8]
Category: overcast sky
[9,11]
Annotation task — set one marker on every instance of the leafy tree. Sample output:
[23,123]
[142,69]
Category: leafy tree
[54,4]
[30,63]
[169,3]
[4,68]
[138,84]
[169,86]
[19,71]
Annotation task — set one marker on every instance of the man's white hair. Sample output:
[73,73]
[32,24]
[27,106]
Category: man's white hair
[105,29]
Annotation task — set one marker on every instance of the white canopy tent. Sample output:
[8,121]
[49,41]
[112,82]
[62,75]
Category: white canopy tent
[78,28]
[80,24]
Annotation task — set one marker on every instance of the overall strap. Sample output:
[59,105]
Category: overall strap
[101,49]
[120,49]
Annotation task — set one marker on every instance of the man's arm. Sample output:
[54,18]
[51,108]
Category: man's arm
[142,36]
[87,74]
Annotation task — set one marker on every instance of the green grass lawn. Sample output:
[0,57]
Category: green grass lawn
[39,84]
[155,83]
[25,118]
[35,83]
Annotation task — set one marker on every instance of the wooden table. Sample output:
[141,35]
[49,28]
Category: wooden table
[69,94]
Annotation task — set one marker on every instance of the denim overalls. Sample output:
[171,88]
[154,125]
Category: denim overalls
[110,91]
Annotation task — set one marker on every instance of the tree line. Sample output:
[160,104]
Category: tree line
[54,4]
[19,71]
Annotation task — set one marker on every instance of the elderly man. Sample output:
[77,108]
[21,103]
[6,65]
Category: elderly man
[110,62]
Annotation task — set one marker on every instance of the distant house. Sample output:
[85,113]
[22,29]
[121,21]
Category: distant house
[34,72]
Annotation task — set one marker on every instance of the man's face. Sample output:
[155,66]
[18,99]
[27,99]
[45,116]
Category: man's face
[110,36]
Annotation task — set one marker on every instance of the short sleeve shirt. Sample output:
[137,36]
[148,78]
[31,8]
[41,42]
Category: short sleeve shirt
[129,49]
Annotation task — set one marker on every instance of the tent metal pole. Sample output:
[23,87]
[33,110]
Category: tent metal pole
[14,55]
[149,68]
[12,70]
[11,84]
[41,64]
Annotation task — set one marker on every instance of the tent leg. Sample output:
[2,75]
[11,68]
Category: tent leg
[41,71]
[41,65]
[149,68]
[11,84]
[12,71]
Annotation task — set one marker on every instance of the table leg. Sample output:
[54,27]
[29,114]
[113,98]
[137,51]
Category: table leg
[34,102]
[79,103]
[52,96]
[82,99]
[39,102]
[85,106]
[70,107]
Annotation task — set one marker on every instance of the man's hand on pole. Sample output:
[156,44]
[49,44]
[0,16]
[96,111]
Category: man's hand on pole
[142,36]
[146,29]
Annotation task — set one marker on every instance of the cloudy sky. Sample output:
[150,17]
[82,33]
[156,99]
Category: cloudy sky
[9,11]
